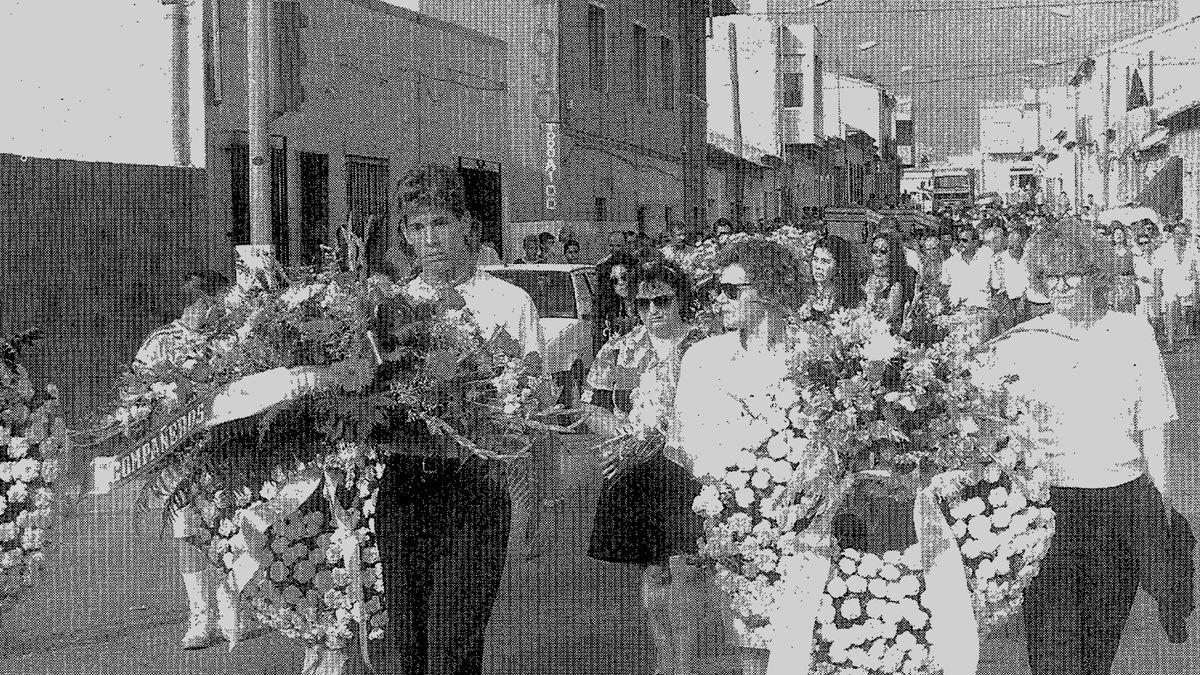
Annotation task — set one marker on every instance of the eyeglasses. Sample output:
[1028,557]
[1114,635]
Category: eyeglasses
[731,291]
[966,240]
[882,250]
[658,302]
[1070,281]
[618,278]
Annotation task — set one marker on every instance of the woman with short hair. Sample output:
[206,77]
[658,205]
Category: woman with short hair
[1098,382]
[644,516]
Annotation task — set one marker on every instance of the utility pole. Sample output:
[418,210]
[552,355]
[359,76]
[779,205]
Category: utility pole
[258,87]
[180,113]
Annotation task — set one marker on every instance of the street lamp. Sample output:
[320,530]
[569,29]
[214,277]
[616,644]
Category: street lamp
[1060,11]
[905,69]
[868,45]
[818,3]
[1040,63]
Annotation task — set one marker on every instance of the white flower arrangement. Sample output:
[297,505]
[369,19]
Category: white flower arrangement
[303,588]
[32,437]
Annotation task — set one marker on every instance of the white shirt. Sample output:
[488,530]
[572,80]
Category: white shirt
[488,256]
[496,304]
[969,283]
[913,259]
[717,376]
[1100,389]
[1013,274]
[1178,274]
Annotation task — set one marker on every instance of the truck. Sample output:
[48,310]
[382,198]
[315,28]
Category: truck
[952,189]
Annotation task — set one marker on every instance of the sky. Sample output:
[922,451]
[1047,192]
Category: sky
[90,79]
[964,52]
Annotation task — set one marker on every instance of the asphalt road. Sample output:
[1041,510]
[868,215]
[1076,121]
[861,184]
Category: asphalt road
[111,602]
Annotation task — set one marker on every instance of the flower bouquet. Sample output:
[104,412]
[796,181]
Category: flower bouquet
[33,438]
[878,450]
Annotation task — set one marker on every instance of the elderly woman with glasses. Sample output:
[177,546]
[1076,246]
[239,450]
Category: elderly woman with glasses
[1102,396]
[644,516]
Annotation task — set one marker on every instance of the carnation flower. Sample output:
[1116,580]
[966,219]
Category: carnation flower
[851,609]
[836,587]
[856,584]
[18,447]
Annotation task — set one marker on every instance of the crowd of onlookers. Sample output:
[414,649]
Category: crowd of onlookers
[977,261]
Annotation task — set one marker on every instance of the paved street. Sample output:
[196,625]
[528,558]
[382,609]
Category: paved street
[111,601]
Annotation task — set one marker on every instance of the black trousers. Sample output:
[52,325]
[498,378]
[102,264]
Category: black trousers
[1076,607]
[443,534]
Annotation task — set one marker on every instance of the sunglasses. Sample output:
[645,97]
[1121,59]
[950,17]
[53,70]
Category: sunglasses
[618,279]
[1070,281]
[966,240]
[658,302]
[731,291]
[879,249]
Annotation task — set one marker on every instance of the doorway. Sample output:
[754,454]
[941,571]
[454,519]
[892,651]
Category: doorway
[482,187]
[314,206]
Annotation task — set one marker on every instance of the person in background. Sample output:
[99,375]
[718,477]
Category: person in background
[200,581]
[1143,267]
[1102,396]
[533,251]
[892,283]
[996,237]
[571,252]
[1176,280]
[679,245]
[1125,284]
[1014,309]
[548,245]
[615,316]
[837,281]
[723,227]
[967,274]
[481,249]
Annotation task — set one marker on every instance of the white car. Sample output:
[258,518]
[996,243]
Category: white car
[564,297]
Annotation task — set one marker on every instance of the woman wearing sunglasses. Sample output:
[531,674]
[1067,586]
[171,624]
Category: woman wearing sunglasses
[615,316]
[762,288]
[644,516]
[1103,398]
[892,283]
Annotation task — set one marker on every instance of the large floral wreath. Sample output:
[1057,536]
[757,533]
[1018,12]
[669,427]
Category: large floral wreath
[307,383]
[803,526]
[32,438]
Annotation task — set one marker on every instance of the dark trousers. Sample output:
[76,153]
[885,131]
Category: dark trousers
[443,533]
[1077,605]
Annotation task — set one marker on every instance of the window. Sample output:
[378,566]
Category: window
[791,87]
[641,218]
[667,71]
[289,57]
[553,293]
[639,63]
[601,209]
[597,51]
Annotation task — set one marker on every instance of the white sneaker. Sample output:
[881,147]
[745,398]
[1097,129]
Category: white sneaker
[196,636]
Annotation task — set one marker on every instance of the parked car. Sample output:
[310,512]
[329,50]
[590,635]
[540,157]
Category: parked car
[564,297]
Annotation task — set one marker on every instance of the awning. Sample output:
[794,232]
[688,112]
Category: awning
[1164,194]
[1154,138]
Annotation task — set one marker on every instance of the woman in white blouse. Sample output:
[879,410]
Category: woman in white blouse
[761,286]
[1105,402]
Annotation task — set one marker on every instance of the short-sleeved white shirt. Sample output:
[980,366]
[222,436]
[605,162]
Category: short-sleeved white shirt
[1177,273]
[495,303]
[1013,273]
[1101,387]
[717,376]
[969,283]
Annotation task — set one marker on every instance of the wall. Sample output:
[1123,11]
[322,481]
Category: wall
[378,81]
[606,144]
[95,256]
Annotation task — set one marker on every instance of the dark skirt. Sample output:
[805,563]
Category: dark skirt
[645,516]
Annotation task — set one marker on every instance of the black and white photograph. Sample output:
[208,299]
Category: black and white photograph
[599,337]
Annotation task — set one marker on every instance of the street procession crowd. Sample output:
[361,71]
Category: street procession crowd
[862,457]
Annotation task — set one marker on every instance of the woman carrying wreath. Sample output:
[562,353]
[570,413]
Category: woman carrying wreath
[1098,382]
[645,516]
[761,288]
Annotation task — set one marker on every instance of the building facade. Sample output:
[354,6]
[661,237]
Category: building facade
[1019,145]
[361,91]
[863,116]
[1134,139]
[605,110]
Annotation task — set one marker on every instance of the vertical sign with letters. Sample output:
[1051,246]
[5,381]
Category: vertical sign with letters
[545,100]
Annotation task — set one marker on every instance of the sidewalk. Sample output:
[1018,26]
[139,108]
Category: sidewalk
[111,601]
